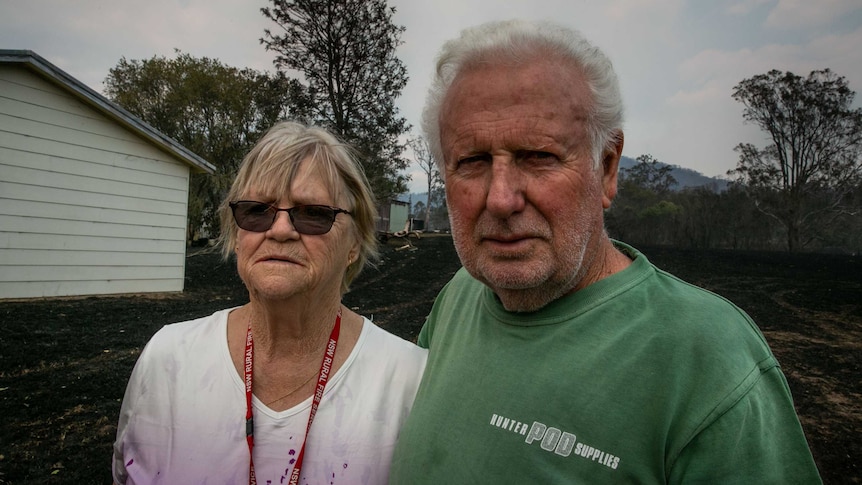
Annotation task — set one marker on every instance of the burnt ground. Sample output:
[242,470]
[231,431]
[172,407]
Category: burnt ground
[64,362]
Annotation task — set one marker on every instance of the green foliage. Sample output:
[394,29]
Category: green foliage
[345,51]
[663,209]
[214,110]
[647,212]
[803,177]
[641,211]
[801,191]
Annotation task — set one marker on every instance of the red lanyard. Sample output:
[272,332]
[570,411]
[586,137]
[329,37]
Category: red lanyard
[322,377]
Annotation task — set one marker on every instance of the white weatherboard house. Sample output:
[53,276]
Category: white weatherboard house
[92,199]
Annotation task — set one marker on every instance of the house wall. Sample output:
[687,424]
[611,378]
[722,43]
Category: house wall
[86,206]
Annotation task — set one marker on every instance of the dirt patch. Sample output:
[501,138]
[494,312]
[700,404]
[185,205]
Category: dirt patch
[64,362]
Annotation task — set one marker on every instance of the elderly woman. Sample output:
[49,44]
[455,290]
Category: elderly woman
[292,387]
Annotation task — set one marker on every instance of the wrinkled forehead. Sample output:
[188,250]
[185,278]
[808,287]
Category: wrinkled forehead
[528,105]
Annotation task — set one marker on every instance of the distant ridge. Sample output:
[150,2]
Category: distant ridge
[685,177]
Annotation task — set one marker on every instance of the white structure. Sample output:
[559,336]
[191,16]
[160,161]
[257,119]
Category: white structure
[92,199]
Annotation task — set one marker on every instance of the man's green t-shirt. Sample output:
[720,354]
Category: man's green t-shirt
[638,378]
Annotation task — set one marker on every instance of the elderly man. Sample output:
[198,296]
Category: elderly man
[558,355]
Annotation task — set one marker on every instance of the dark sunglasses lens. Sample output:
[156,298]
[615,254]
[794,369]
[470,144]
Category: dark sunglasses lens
[253,216]
[312,219]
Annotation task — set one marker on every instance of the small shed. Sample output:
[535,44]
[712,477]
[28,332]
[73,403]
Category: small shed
[92,199]
[392,216]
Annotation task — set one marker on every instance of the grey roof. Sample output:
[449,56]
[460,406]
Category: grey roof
[105,106]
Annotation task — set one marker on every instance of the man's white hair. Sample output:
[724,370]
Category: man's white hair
[520,42]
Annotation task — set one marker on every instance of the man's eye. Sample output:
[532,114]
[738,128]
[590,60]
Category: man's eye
[474,159]
[535,156]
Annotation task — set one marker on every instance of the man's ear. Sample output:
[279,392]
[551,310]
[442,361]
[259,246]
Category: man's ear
[610,168]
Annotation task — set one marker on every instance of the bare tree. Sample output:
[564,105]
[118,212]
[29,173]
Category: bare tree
[425,160]
[803,177]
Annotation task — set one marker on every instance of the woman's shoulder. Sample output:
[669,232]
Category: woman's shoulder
[386,366]
[379,341]
[181,335]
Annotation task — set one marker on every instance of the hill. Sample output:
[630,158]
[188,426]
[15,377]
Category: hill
[685,177]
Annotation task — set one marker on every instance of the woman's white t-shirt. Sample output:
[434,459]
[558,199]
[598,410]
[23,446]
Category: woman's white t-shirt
[183,415]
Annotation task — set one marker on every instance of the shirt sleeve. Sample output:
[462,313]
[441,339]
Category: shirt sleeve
[127,412]
[424,339]
[757,440]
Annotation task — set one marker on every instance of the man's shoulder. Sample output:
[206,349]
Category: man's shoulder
[696,301]
[694,318]
[665,304]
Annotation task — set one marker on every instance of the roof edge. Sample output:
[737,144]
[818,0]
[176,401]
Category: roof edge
[106,106]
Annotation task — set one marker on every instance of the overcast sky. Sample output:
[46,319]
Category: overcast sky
[677,60]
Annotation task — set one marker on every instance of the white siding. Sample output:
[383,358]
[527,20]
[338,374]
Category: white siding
[86,205]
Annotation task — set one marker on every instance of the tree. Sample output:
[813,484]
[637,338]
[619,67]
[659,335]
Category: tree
[642,211]
[651,174]
[345,49]
[419,207]
[214,110]
[698,220]
[803,177]
[425,160]
[437,203]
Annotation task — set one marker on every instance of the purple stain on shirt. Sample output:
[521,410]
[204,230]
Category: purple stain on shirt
[292,461]
[130,462]
[291,452]
[345,466]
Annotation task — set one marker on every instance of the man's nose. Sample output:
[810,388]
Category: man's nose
[506,188]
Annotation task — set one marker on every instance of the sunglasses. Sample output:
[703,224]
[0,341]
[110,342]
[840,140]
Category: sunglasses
[310,219]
